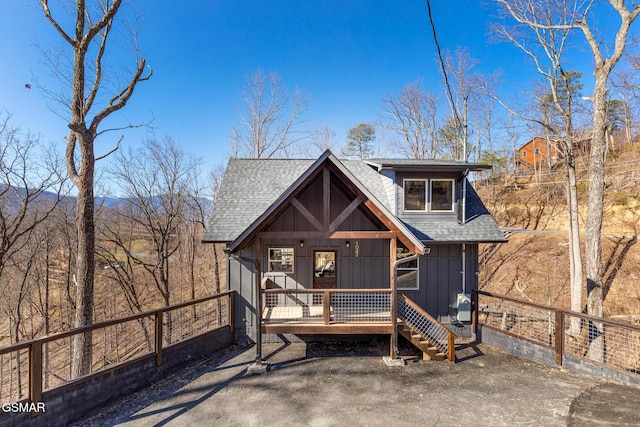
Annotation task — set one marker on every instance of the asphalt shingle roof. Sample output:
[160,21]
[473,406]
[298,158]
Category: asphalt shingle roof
[251,186]
[248,188]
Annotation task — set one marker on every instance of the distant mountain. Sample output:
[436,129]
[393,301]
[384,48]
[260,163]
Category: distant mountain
[15,197]
[109,202]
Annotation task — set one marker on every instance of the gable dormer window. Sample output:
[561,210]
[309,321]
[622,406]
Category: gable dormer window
[423,195]
[442,195]
[415,195]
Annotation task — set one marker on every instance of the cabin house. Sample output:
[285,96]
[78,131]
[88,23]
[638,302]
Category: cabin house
[332,246]
[536,151]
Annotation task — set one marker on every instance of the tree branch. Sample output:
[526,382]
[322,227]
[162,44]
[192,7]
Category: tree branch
[54,23]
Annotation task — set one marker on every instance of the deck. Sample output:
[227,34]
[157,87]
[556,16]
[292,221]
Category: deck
[327,311]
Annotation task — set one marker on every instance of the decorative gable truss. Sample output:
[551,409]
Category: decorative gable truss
[334,205]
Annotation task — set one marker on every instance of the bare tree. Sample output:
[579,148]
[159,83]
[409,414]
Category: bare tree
[412,115]
[467,88]
[158,184]
[628,87]
[31,186]
[27,179]
[555,107]
[581,17]
[88,40]
[483,123]
[216,174]
[270,120]
[323,139]
[215,181]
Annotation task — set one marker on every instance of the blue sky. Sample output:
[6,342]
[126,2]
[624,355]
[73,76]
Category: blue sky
[346,56]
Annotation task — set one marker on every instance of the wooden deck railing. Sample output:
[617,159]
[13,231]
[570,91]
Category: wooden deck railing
[326,306]
[31,367]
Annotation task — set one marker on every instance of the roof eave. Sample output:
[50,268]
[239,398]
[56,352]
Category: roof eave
[458,167]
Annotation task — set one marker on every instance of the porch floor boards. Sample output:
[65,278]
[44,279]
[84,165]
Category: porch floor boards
[331,329]
[310,320]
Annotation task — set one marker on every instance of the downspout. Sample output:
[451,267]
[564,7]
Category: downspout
[464,221]
[394,306]
[464,268]
[464,196]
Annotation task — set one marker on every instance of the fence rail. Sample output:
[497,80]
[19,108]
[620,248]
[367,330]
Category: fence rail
[603,342]
[29,368]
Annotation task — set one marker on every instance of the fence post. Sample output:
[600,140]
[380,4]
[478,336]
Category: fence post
[158,337]
[559,336]
[230,306]
[451,347]
[35,372]
[474,311]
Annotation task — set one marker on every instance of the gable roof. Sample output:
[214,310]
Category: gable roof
[539,139]
[291,188]
[252,189]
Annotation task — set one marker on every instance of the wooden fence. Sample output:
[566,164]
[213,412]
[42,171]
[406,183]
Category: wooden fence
[602,342]
[29,368]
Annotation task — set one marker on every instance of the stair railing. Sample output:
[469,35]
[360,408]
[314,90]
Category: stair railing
[427,326]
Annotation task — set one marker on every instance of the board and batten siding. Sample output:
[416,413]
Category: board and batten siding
[441,279]
[440,275]
[363,265]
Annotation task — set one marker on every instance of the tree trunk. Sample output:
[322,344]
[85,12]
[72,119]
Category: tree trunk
[593,226]
[85,261]
[575,257]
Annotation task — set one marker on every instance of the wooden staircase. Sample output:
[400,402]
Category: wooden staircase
[429,351]
[423,331]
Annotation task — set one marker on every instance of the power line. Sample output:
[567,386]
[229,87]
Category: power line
[443,69]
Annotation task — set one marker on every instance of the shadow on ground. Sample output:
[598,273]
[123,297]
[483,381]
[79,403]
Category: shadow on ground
[323,384]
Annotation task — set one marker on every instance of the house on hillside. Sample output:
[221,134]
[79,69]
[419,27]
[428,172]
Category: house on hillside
[534,152]
[316,246]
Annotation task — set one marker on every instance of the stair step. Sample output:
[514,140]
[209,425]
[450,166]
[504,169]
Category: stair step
[429,351]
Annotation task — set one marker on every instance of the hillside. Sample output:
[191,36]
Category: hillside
[536,266]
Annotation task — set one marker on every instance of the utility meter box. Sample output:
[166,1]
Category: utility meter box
[464,308]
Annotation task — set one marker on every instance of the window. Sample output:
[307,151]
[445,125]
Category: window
[442,195]
[280,260]
[325,264]
[415,195]
[407,275]
[536,151]
[524,153]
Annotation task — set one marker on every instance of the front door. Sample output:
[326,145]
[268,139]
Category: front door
[324,270]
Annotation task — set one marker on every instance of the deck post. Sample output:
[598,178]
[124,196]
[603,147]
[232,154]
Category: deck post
[394,299]
[258,303]
[258,367]
[326,307]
